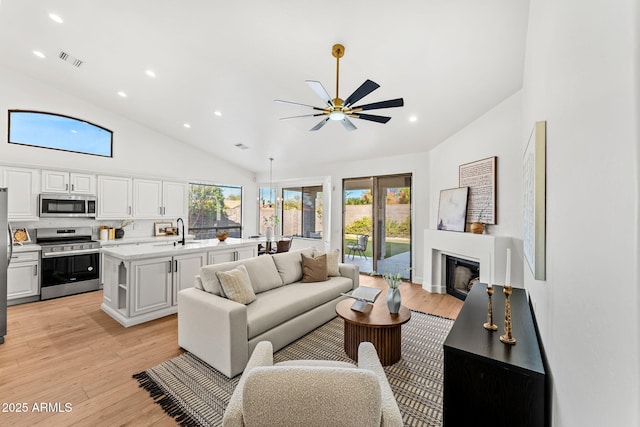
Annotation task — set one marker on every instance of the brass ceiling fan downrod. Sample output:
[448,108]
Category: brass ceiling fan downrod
[338,52]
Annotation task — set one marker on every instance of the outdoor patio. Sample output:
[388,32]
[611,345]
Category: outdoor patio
[400,262]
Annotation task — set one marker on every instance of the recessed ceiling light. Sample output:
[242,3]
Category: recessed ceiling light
[150,73]
[187,125]
[39,54]
[413,119]
[217,113]
[56,18]
[122,94]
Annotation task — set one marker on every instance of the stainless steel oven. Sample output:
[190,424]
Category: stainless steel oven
[70,262]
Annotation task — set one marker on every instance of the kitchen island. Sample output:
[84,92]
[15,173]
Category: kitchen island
[141,282]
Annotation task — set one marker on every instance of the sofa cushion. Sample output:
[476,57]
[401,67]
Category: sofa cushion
[314,269]
[262,274]
[300,396]
[236,285]
[289,264]
[280,305]
[333,259]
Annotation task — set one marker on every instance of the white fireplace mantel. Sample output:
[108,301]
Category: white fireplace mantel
[489,251]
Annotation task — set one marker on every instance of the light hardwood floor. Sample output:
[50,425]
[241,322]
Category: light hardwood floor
[77,361]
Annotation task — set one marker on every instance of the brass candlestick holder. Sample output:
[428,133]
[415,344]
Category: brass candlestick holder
[489,324]
[507,338]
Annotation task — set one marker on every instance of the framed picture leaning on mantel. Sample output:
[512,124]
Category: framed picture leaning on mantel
[480,177]
[452,209]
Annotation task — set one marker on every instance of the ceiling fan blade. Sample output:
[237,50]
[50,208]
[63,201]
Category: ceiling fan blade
[398,102]
[298,103]
[304,115]
[372,118]
[365,89]
[348,125]
[320,91]
[319,125]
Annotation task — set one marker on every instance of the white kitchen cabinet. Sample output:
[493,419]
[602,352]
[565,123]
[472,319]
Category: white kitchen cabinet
[174,199]
[159,199]
[141,282]
[219,256]
[147,198]
[115,196]
[185,269]
[244,253]
[23,277]
[23,185]
[232,254]
[151,284]
[68,182]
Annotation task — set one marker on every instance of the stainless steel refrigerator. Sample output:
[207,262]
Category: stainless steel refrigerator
[5,258]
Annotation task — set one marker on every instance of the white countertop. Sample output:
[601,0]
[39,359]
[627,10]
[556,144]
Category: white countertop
[138,240]
[131,252]
[27,247]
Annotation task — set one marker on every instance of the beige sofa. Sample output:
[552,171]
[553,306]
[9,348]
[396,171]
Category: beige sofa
[223,333]
[313,392]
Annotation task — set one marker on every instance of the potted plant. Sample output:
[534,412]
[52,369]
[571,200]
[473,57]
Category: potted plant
[119,233]
[270,223]
[394,300]
[477,227]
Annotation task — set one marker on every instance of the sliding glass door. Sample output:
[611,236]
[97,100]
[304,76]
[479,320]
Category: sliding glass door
[377,223]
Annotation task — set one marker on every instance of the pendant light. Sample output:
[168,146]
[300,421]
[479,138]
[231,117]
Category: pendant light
[271,189]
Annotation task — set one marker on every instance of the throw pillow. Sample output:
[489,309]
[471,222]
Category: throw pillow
[314,269]
[333,258]
[236,285]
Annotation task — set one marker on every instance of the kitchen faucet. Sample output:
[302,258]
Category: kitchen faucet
[182,241]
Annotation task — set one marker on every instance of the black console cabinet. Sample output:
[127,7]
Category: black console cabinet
[487,382]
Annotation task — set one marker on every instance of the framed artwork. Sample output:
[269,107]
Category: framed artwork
[160,228]
[480,177]
[452,210]
[534,200]
[20,236]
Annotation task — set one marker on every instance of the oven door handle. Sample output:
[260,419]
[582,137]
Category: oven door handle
[67,253]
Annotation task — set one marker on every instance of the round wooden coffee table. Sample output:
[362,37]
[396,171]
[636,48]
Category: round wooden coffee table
[375,325]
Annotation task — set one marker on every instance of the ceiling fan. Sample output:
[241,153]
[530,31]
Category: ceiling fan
[342,110]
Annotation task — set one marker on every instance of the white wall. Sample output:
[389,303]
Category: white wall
[581,76]
[137,151]
[496,133]
[417,164]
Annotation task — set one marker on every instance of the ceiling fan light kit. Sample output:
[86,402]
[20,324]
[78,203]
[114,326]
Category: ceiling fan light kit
[337,109]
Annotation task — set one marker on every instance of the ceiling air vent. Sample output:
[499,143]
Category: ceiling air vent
[241,146]
[70,59]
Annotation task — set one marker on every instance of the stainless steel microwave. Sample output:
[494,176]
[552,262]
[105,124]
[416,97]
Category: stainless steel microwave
[67,206]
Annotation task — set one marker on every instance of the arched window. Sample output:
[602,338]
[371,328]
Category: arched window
[58,132]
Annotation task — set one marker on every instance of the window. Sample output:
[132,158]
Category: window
[57,132]
[213,208]
[266,209]
[302,212]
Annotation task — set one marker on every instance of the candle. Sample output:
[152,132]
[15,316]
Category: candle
[507,277]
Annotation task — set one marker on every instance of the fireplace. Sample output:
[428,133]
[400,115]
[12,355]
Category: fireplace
[489,251]
[460,275]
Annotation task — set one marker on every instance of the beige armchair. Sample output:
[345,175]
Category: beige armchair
[312,392]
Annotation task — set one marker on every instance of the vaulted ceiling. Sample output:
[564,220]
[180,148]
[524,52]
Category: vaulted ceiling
[451,61]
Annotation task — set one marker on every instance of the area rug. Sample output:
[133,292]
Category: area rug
[195,394]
